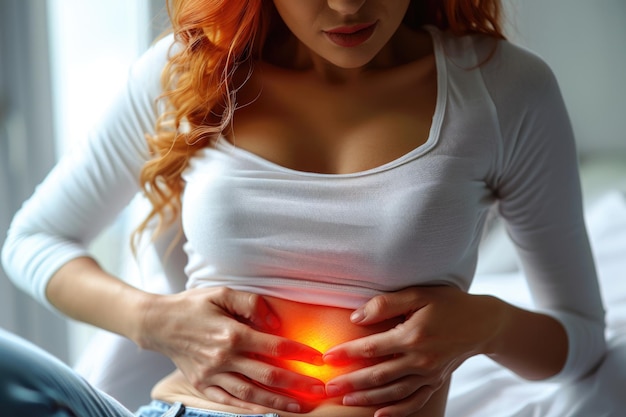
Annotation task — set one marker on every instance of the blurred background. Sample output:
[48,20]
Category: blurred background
[61,60]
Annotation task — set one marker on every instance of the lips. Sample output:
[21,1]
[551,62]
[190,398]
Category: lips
[351,36]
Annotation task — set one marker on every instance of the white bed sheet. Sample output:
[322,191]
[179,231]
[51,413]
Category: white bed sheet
[480,388]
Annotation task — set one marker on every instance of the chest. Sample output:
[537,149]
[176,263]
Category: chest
[303,124]
[390,228]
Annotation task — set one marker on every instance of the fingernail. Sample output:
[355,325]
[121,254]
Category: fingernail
[333,391]
[330,359]
[336,359]
[349,400]
[357,316]
[293,408]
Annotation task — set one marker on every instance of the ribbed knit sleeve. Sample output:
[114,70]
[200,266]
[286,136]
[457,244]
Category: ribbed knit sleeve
[539,194]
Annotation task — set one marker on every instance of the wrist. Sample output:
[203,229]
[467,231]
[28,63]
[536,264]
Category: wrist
[146,312]
[499,318]
[531,344]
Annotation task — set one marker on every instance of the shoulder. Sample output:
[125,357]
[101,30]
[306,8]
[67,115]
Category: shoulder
[160,51]
[148,68]
[504,65]
[508,63]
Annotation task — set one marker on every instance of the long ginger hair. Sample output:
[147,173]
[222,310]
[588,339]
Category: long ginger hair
[216,37]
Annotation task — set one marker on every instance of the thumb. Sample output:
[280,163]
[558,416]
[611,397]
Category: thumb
[252,308]
[388,306]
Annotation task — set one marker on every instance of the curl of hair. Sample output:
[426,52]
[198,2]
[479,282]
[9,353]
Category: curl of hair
[212,37]
[217,36]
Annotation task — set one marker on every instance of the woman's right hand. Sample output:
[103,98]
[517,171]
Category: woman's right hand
[218,338]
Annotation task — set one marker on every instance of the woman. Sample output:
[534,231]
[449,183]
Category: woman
[333,164]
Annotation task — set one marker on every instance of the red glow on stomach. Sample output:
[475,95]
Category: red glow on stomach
[321,328]
[321,338]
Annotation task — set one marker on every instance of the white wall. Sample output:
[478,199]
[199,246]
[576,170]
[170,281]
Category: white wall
[584,41]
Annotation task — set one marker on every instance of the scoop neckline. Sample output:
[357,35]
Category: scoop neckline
[433,135]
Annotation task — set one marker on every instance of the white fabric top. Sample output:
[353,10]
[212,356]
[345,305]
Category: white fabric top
[500,134]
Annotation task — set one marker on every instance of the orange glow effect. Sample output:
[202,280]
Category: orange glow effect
[322,328]
[321,332]
[321,338]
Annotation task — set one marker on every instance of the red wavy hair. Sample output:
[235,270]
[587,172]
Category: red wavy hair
[217,36]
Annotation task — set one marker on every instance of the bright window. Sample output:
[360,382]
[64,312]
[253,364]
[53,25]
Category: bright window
[92,44]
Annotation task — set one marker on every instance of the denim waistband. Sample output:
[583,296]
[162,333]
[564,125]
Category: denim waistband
[162,409]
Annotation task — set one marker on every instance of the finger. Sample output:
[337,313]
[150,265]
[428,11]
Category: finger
[371,378]
[387,306]
[394,392]
[242,393]
[218,395]
[376,346]
[250,307]
[278,347]
[408,407]
[278,378]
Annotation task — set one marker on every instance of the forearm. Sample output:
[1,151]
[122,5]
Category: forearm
[533,345]
[82,290]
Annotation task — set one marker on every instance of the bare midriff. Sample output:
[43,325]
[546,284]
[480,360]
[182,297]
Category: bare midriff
[320,327]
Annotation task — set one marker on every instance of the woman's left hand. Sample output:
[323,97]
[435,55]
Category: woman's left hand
[443,327]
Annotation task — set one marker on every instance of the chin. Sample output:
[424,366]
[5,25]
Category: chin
[349,63]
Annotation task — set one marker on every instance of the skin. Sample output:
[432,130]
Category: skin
[309,19]
[210,333]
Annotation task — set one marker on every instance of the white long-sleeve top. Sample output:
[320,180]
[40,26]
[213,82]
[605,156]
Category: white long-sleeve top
[500,135]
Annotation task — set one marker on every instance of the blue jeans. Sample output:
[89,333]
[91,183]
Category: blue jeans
[35,383]
[161,409]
